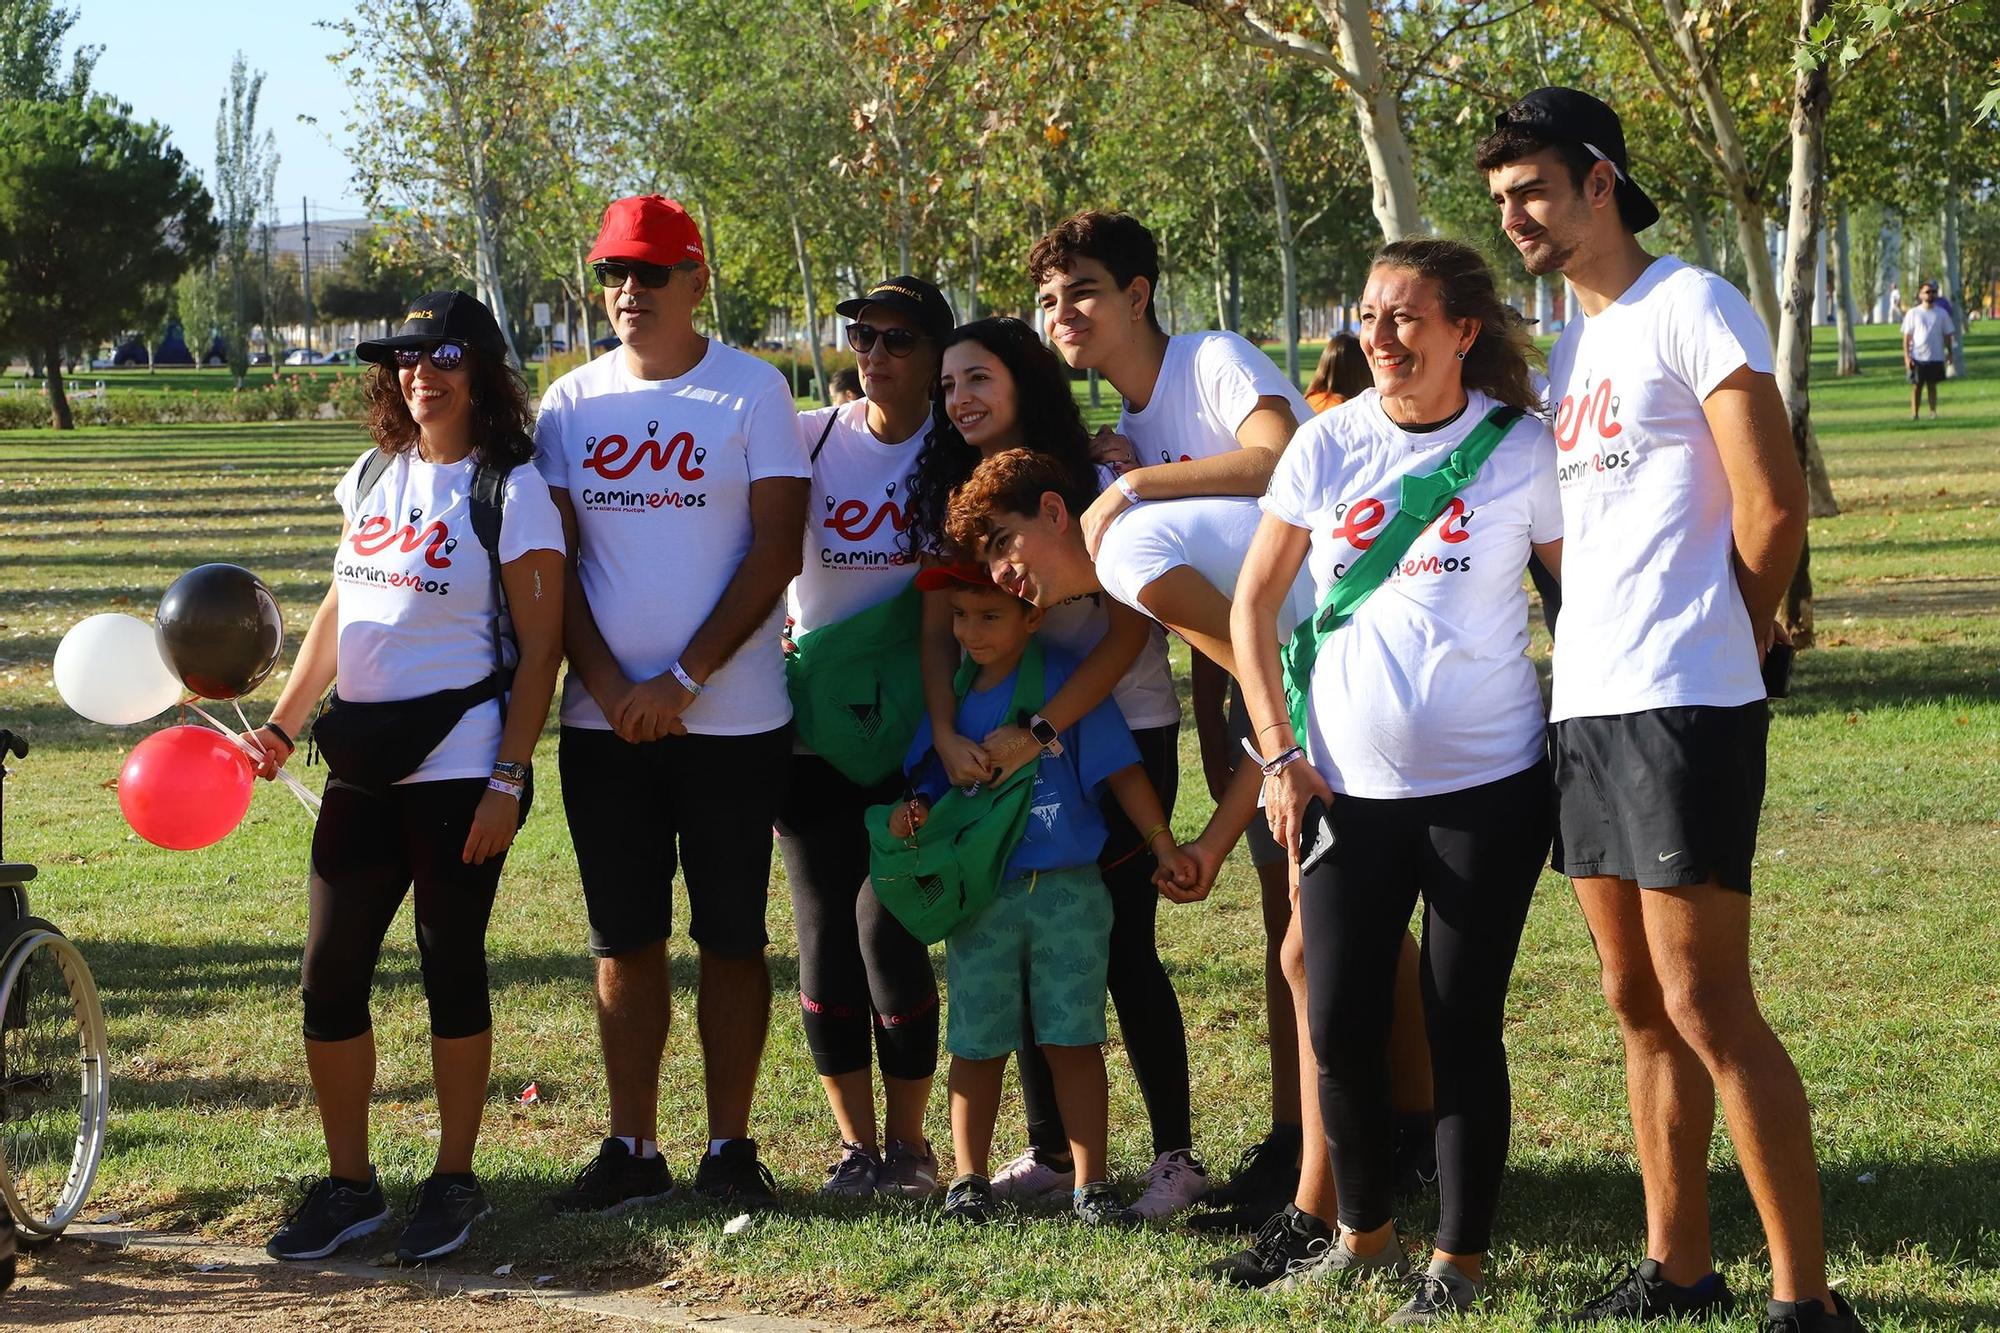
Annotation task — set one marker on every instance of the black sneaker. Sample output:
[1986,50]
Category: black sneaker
[614,1182]
[1266,1176]
[1416,1157]
[1098,1205]
[333,1212]
[447,1206]
[1285,1238]
[1643,1294]
[970,1199]
[1811,1317]
[736,1178]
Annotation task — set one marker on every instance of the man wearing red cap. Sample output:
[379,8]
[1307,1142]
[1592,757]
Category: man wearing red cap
[678,468]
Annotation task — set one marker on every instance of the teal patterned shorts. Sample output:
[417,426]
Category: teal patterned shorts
[1040,947]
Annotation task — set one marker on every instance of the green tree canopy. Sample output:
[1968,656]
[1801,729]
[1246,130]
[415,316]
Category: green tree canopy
[96,210]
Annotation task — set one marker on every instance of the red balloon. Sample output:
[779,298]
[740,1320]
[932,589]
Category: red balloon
[185,787]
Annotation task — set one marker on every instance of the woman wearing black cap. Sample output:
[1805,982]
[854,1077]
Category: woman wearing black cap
[447,583]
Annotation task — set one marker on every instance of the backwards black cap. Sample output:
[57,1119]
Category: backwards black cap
[453,314]
[1570,116]
[912,296]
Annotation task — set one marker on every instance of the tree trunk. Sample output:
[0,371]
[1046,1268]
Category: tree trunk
[486,256]
[1810,96]
[714,277]
[1375,115]
[971,311]
[59,414]
[1843,295]
[812,312]
[1235,321]
[1697,218]
[1258,122]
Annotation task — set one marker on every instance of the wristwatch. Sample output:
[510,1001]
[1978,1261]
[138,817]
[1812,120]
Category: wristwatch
[511,772]
[1044,732]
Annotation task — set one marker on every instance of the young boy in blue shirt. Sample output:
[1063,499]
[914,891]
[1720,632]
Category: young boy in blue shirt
[1043,944]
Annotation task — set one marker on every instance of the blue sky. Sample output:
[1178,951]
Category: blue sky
[170,62]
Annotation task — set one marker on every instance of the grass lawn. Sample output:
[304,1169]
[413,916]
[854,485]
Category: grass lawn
[1877,949]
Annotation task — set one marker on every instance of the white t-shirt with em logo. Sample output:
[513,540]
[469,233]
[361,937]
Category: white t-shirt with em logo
[416,593]
[659,473]
[855,519]
[1209,383]
[1652,616]
[1427,688]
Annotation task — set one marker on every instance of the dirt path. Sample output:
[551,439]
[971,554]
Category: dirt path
[179,1284]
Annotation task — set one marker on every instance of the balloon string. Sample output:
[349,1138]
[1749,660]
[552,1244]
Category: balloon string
[305,794]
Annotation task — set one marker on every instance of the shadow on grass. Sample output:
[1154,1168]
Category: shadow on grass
[1845,680]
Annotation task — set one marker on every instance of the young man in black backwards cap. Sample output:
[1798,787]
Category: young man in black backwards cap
[1684,514]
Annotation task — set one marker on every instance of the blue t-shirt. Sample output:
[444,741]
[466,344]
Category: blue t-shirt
[1064,826]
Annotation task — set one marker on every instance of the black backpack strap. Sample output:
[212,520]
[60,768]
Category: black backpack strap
[371,473]
[488,504]
[831,417]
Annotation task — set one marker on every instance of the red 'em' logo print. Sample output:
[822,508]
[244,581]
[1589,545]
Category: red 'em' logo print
[1570,415]
[614,456]
[1359,520]
[374,535]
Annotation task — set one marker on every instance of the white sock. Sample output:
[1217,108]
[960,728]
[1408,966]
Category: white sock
[715,1147]
[639,1148]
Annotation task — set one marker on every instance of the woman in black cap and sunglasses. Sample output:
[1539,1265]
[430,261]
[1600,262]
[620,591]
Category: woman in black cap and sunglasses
[443,627]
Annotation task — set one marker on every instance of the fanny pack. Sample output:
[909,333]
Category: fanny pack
[1422,499]
[952,868]
[857,688]
[375,745]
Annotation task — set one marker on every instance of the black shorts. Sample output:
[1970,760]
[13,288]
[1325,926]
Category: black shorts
[1666,798]
[707,802]
[1926,372]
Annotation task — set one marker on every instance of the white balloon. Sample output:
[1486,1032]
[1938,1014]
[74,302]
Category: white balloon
[109,669]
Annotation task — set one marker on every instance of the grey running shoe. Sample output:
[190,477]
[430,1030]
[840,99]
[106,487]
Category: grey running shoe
[1442,1293]
[332,1213]
[854,1175]
[1332,1260]
[909,1170]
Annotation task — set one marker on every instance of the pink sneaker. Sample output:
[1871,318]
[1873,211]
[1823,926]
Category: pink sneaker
[1029,1180]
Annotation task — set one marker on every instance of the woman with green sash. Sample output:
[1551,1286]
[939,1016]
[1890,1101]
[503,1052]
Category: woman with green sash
[866,986]
[1410,762]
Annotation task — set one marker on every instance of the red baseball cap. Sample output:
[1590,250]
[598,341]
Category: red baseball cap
[934,578]
[650,228]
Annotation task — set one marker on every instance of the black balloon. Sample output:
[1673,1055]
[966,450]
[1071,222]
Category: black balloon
[220,630]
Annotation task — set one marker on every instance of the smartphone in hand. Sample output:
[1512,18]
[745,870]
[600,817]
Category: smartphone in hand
[1315,836]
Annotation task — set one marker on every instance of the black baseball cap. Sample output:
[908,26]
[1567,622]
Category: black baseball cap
[453,314]
[1571,116]
[911,296]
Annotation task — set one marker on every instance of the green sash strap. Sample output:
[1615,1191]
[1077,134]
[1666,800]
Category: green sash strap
[953,867]
[1421,500]
[857,688]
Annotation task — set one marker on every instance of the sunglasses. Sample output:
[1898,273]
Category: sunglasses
[445,354]
[613,272]
[898,342]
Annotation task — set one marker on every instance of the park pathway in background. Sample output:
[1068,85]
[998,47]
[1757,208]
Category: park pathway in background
[117,1280]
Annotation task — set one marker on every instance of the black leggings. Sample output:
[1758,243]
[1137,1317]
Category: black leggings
[1149,1013]
[856,962]
[367,850]
[1474,856]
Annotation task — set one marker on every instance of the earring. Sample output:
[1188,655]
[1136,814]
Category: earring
[1461,356]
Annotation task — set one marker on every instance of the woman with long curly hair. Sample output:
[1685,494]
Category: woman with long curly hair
[445,652]
[1000,387]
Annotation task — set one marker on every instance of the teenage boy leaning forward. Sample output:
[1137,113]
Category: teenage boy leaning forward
[1042,946]
[1684,512]
[1202,414]
[677,467]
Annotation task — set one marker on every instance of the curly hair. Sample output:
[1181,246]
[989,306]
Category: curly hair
[503,419]
[1046,418]
[1499,359]
[1012,481]
[1118,241]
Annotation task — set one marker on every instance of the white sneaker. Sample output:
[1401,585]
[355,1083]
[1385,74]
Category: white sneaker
[1028,1179]
[1174,1181]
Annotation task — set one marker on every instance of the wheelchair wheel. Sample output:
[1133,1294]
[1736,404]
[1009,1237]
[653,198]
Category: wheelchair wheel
[54,1107]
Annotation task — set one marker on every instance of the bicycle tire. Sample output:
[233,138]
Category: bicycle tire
[50,1033]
